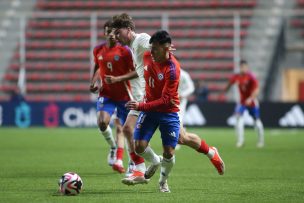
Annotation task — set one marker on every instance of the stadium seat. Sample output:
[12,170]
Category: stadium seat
[58,47]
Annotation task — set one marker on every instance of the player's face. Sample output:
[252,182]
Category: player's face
[159,52]
[244,68]
[122,35]
[109,34]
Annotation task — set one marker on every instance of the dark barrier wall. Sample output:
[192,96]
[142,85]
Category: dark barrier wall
[72,114]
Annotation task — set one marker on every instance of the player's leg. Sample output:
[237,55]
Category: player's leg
[239,125]
[255,113]
[105,109]
[131,165]
[128,131]
[169,128]
[121,116]
[182,107]
[144,130]
[194,141]
[118,165]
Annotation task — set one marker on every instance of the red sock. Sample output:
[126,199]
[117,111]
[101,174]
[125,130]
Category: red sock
[119,153]
[136,159]
[204,148]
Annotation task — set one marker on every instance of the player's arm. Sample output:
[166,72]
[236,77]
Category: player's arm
[254,93]
[231,81]
[110,79]
[166,99]
[127,57]
[93,86]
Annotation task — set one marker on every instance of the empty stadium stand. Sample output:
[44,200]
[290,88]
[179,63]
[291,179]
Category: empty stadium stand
[58,42]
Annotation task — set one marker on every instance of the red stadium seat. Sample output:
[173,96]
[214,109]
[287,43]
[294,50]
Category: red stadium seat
[94,5]
[58,48]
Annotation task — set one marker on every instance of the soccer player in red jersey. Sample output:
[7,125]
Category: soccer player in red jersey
[249,89]
[139,43]
[112,58]
[161,105]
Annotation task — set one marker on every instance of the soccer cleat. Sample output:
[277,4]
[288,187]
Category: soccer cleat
[112,156]
[136,178]
[131,168]
[218,162]
[163,187]
[118,167]
[239,144]
[260,144]
[153,168]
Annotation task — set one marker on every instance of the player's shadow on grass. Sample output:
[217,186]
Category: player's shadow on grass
[115,191]
[104,192]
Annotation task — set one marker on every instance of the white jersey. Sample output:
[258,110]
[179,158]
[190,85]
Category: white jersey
[185,89]
[138,47]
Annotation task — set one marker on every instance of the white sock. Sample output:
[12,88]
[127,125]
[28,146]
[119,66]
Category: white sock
[150,156]
[109,137]
[210,153]
[239,128]
[260,129]
[141,167]
[165,169]
[119,162]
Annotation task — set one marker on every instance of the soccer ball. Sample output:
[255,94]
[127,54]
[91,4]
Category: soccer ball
[70,184]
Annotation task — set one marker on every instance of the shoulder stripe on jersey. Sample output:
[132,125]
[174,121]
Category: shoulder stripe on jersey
[128,49]
[172,71]
[100,45]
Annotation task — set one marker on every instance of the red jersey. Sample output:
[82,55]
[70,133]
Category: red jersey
[114,61]
[162,81]
[247,83]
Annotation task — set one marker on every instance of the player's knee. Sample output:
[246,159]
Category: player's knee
[102,125]
[127,130]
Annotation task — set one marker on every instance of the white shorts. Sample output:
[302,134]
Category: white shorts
[134,112]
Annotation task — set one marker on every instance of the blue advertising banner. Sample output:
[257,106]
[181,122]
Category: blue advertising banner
[83,114]
[49,114]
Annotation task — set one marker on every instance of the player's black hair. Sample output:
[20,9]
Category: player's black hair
[108,24]
[243,62]
[123,20]
[161,37]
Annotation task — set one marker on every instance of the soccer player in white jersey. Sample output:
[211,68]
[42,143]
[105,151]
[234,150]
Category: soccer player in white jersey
[139,43]
[185,89]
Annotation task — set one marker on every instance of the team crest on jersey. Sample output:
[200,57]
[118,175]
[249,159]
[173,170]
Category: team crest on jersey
[160,76]
[116,57]
[100,58]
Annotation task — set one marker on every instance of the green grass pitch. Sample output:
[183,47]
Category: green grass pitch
[32,160]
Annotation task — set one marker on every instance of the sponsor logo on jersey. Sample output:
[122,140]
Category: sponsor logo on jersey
[100,58]
[160,76]
[116,57]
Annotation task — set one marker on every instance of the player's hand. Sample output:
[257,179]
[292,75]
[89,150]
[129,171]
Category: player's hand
[248,101]
[132,105]
[110,79]
[94,88]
